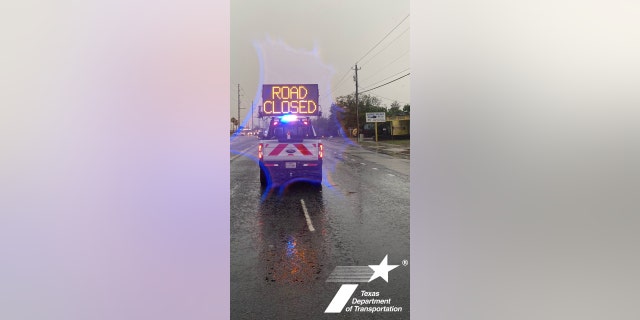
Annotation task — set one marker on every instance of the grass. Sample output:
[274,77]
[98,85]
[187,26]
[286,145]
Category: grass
[403,142]
[398,142]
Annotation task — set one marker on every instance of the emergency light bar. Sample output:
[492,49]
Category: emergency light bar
[289,118]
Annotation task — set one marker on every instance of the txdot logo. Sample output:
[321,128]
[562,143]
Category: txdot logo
[372,301]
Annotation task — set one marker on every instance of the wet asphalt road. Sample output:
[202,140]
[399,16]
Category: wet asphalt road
[360,214]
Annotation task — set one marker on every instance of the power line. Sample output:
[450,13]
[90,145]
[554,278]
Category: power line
[382,50]
[405,18]
[345,74]
[388,64]
[396,79]
[343,77]
[337,84]
[391,76]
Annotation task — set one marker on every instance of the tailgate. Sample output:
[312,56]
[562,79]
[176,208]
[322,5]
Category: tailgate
[301,151]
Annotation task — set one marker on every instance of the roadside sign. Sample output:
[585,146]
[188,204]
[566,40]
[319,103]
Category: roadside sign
[375,117]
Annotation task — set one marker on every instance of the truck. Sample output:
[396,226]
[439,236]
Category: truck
[290,150]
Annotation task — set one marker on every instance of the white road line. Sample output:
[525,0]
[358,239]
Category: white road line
[390,174]
[306,215]
[362,163]
[374,168]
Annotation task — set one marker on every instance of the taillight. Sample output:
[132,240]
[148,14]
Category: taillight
[260,151]
[320,151]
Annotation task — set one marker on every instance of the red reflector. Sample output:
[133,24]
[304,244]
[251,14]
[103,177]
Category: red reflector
[260,151]
[320,151]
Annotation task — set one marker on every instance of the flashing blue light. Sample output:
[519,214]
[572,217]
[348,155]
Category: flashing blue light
[289,117]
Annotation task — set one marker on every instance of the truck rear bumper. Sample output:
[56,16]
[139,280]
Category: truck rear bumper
[278,173]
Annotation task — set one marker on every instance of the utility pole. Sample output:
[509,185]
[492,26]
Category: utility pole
[252,127]
[238,126]
[357,107]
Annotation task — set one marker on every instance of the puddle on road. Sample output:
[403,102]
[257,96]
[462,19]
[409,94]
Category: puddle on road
[288,251]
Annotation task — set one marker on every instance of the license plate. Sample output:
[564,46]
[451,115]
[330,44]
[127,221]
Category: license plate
[290,165]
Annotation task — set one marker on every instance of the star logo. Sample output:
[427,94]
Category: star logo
[347,275]
[382,270]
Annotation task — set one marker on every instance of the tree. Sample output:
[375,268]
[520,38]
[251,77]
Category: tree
[394,110]
[367,103]
[406,108]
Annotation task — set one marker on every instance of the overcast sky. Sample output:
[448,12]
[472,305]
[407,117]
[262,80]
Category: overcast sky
[288,41]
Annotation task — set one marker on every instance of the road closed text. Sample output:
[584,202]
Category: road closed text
[290,99]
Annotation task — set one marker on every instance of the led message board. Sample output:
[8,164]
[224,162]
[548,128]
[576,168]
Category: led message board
[280,99]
